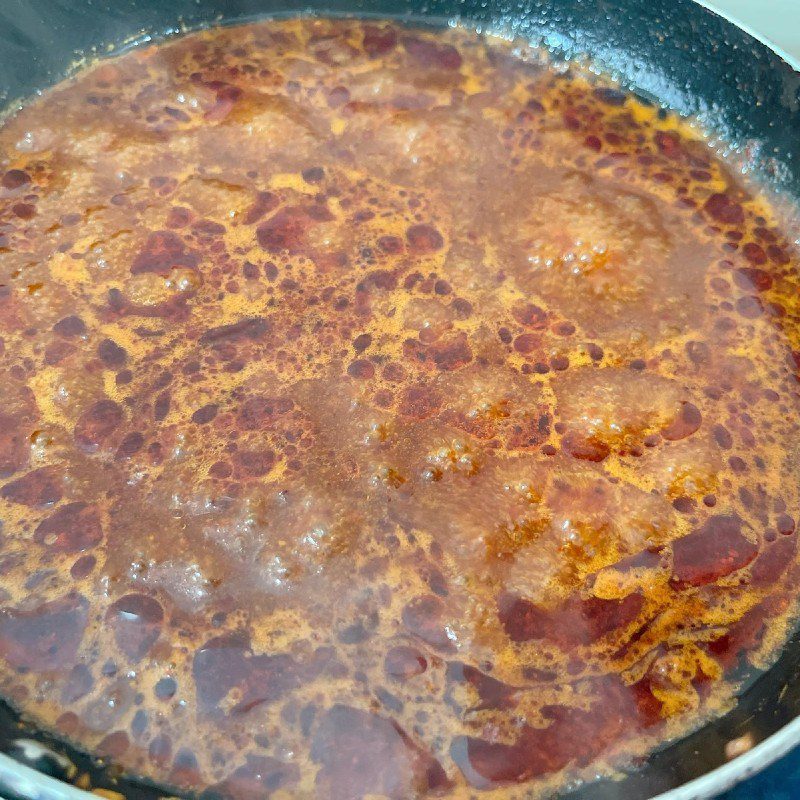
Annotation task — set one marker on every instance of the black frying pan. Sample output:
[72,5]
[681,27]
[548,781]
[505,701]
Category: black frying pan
[672,51]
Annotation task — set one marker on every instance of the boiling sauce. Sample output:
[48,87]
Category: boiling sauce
[384,413]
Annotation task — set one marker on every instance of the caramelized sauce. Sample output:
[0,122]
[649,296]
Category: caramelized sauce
[385,413]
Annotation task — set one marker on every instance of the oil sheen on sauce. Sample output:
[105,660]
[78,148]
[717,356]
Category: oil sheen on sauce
[384,413]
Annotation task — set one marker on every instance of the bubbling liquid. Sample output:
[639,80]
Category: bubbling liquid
[386,413]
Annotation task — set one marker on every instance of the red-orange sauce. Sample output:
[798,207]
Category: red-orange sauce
[384,413]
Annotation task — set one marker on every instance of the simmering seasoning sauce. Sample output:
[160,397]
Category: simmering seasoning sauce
[384,413]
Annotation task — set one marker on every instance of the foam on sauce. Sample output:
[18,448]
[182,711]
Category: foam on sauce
[384,413]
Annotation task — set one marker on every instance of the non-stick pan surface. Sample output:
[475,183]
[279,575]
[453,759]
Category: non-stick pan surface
[674,52]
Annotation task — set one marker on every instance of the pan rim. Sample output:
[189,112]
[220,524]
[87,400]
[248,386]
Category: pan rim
[792,60]
[745,766]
